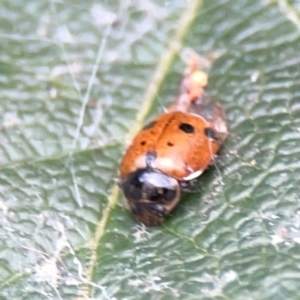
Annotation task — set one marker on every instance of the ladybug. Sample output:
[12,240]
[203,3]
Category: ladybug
[174,149]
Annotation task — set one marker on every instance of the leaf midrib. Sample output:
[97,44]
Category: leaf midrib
[164,64]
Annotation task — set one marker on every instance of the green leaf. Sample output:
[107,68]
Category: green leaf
[77,81]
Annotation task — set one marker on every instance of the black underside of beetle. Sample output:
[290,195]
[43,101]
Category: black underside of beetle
[151,194]
[149,184]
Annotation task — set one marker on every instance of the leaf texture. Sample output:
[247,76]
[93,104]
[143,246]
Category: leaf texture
[77,81]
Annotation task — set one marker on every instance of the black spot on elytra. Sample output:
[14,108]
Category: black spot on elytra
[143,143]
[187,128]
[170,144]
[210,133]
[149,125]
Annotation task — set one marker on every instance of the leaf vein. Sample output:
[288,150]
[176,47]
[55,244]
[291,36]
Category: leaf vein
[164,64]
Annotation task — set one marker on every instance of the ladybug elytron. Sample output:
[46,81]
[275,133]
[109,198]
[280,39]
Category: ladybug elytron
[172,150]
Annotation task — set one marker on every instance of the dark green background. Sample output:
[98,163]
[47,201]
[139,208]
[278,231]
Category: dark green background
[72,89]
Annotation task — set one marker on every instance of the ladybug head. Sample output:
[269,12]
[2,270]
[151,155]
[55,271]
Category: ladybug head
[151,195]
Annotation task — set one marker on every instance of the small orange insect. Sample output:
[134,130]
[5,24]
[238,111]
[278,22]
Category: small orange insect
[173,149]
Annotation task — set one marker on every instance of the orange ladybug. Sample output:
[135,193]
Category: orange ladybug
[172,150]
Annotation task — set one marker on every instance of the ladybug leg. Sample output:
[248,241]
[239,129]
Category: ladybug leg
[159,210]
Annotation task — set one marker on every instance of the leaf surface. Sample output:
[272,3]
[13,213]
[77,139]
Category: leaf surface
[78,80]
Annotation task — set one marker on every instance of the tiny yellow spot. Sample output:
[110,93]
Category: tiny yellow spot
[200,78]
